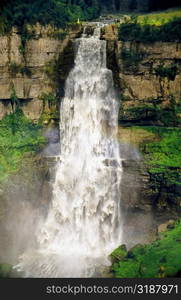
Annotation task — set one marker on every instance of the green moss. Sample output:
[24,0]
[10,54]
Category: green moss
[18,136]
[158,259]
[162,155]
[118,254]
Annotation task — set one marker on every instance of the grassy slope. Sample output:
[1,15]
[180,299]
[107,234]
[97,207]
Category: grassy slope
[159,18]
[18,136]
[159,259]
[161,148]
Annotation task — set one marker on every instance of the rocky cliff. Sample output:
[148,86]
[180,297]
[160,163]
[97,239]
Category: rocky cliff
[147,76]
[148,82]
[31,65]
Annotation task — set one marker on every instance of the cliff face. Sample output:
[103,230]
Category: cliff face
[147,76]
[27,70]
[148,82]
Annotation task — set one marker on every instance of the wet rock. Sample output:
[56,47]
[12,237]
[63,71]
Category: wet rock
[165,226]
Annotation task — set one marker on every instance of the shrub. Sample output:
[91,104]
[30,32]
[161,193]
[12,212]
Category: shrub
[169,32]
[50,98]
[55,12]
[158,259]
[167,71]
[15,68]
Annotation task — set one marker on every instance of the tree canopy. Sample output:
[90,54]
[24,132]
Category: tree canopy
[60,12]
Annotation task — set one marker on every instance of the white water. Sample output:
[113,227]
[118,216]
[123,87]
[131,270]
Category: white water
[84,221]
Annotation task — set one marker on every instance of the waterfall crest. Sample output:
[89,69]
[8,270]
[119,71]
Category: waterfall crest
[84,221]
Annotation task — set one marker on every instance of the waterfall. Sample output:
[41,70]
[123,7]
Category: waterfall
[84,221]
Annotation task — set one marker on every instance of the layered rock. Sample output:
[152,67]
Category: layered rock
[146,75]
[24,69]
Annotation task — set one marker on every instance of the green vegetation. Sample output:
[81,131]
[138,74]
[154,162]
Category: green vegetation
[159,18]
[156,260]
[15,68]
[147,33]
[18,136]
[162,153]
[161,149]
[5,270]
[55,12]
[154,112]
[49,98]
[51,69]
[165,153]
[51,104]
[163,160]
[169,71]
[14,99]
[131,59]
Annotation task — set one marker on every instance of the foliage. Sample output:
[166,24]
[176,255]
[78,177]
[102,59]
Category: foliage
[162,157]
[165,153]
[154,112]
[156,260]
[169,32]
[15,68]
[49,97]
[18,136]
[131,58]
[51,69]
[14,98]
[159,18]
[169,71]
[55,12]
[5,270]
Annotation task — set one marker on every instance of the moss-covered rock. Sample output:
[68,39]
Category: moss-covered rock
[158,259]
[118,254]
[161,150]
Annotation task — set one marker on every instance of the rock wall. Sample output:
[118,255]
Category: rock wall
[146,74]
[28,73]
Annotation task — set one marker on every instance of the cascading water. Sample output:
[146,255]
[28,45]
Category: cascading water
[84,221]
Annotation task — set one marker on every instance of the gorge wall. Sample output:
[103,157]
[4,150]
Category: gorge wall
[31,66]
[147,76]
[147,79]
